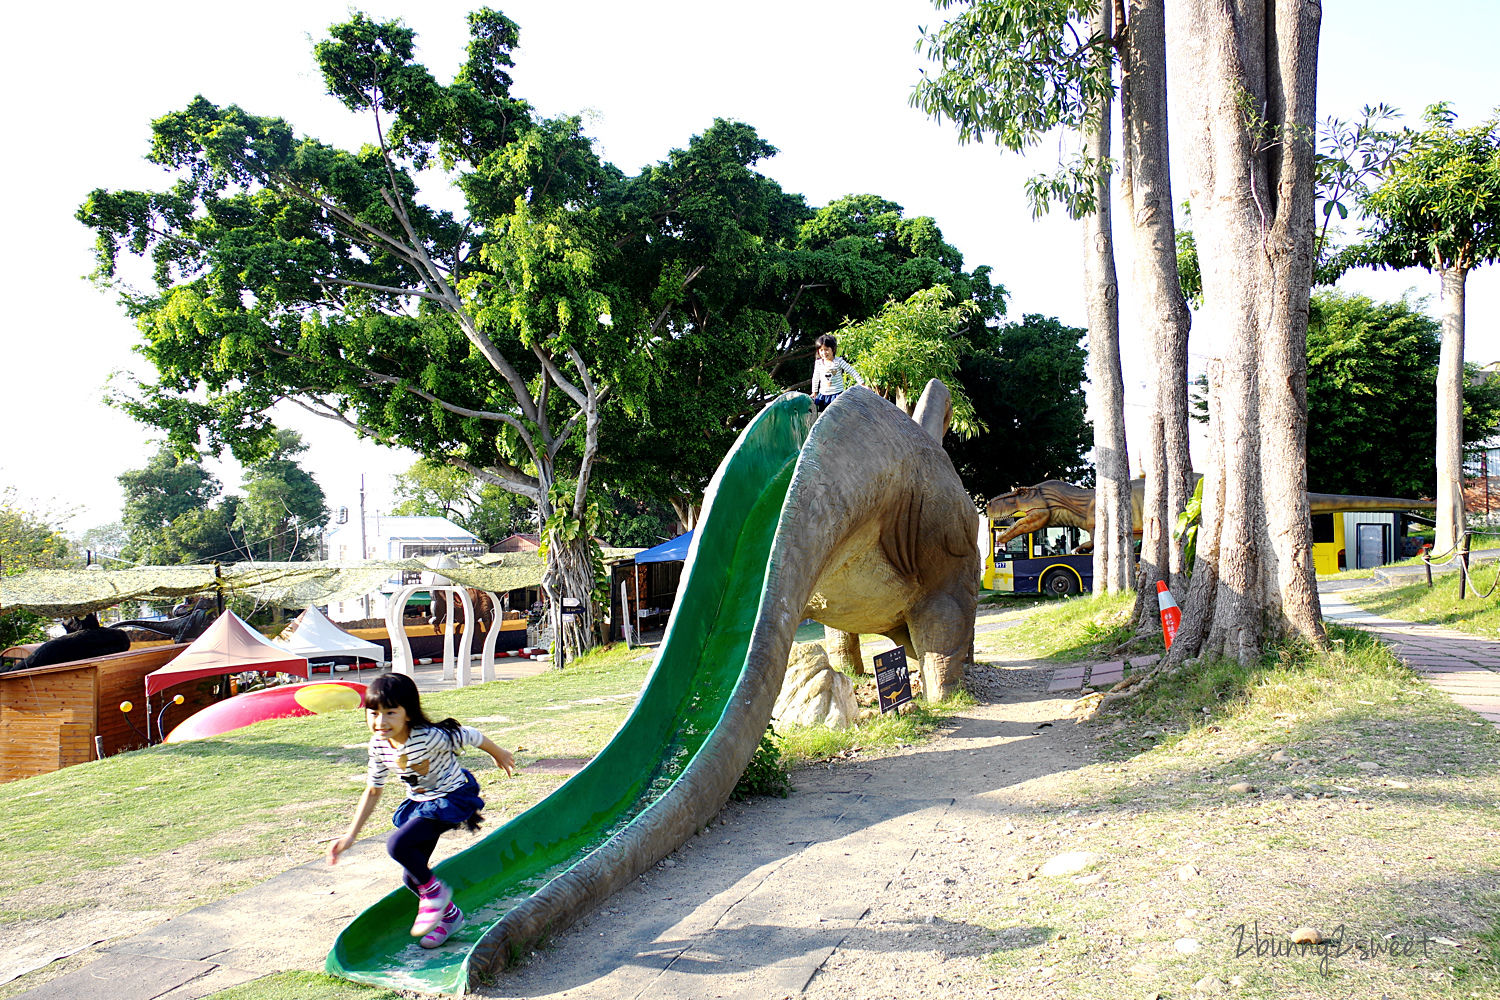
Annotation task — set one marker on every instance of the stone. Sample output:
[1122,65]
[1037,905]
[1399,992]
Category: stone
[1186,873]
[1187,946]
[1068,864]
[813,693]
[1306,935]
[1368,765]
[1209,984]
[1280,757]
[1242,787]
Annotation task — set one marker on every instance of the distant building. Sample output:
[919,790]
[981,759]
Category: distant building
[391,537]
[524,542]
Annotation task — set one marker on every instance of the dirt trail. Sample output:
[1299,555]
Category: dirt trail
[834,890]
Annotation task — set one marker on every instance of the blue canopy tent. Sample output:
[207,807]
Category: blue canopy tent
[653,577]
[672,550]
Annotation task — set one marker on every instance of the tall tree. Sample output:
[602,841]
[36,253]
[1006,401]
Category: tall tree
[1013,70]
[1114,558]
[1027,389]
[1251,71]
[770,275]
[1437,206]
[283,508]
[1371,397]
[169,513]
[287,268]
[1146,191]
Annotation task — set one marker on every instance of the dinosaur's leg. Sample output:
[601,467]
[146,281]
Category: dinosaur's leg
[843,651]
[901,635]
[942,626]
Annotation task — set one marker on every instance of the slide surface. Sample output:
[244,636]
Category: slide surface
[697,668]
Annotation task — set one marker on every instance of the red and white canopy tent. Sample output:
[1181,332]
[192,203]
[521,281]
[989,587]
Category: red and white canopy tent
[228,647]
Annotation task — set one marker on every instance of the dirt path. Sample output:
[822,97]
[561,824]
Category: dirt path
[834,890]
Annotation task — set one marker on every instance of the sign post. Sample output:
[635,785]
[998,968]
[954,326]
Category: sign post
[892,679]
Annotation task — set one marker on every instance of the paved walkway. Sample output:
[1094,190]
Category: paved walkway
[1464,666]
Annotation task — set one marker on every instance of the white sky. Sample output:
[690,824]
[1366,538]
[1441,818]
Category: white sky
[825,81]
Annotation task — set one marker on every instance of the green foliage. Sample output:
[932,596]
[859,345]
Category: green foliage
[566,529]
[630,523]
[1189,271]
[1013,71]
[1371,397]
[18,625]
[170,516]
[434,487]
[746,277]
[907,343]
[1349,156]
[767,772]
[1438,202]
[30,539]
[283,508]
[1025,381]
[1185,530]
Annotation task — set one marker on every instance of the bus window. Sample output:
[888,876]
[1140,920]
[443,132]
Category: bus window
[1011,550]
[1054,541]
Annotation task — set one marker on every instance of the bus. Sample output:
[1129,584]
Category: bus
[1038,562]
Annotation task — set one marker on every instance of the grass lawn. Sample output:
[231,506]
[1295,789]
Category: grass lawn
[216,816]
[1372,816]
[1089,627]
[1439,604]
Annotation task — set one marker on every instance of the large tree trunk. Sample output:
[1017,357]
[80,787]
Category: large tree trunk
[1112,518]
[1252,67]
[1287,255]
[1450,413]
[1146,190]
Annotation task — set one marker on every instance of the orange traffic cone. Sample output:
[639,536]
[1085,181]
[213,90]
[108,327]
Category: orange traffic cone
[1171,614]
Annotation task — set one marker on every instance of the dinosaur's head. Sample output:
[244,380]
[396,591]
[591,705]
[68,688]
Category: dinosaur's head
[1015,503]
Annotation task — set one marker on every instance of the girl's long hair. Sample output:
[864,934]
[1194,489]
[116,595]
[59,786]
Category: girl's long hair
[400,691]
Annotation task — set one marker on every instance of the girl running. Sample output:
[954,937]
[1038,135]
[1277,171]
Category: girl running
[440,795]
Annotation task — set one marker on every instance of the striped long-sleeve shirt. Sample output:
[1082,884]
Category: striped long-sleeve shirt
[829,376]
[436,747]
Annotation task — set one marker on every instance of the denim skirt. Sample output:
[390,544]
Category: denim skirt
[453,807]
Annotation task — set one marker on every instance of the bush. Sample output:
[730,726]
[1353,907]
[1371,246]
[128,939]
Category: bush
[17,626]
[767,772]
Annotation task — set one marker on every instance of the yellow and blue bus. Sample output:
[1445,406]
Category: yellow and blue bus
[1038,562]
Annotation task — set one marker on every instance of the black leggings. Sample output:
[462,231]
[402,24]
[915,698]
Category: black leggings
[412,845]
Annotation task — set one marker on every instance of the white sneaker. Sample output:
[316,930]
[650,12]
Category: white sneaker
[435,937]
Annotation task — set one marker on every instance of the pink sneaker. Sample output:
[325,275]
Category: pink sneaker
[435,937]
[430,908]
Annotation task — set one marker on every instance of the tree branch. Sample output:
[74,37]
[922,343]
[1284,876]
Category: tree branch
[505,476]
[391,289]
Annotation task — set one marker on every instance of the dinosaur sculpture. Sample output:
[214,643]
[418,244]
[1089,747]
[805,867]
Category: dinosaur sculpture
[878,531]
[1055,502]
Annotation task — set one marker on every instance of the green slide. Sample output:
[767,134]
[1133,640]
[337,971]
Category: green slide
[619,815]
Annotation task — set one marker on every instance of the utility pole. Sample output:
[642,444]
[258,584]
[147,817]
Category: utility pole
[364,551]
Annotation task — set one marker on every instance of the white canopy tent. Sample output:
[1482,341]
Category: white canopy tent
[312,635]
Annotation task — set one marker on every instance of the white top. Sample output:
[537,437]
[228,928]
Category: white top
[434,746]
[828,376]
